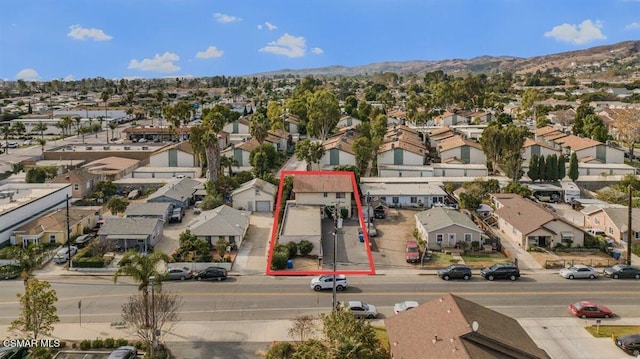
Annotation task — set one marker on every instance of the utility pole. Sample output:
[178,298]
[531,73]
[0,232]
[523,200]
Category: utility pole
[629,228]
[368,211]
[336,216]
[68,233]
[154,339]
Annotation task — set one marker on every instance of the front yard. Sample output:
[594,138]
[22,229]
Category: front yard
[606,331]
[562,259]
[471,259]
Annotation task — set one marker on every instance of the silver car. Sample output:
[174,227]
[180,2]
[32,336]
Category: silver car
[579,271]
[361,309]
[178,274]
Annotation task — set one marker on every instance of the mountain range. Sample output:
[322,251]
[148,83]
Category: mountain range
[565,61]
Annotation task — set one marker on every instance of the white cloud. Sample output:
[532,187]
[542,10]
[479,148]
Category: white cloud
[210,52]
[27,75]
[259,27]
[287,45]
[270,26]
[225,19]
[160,63]
[69,78]
[79,33]
[317,50]
[634,25]
[583,33]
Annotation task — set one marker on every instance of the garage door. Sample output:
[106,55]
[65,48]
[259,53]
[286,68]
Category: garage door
[263,206]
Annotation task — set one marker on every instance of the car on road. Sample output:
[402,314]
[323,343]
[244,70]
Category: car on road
[178,274]
[404,306]
[360,309]
[212,273]
[630,344]
[586,309]
[455,271]
[622,271]
[326,282]
[64,253]
[27,143]
[126,352]
[579,271]
[412,251]
[500,271]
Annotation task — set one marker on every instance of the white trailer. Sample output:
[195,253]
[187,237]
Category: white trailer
[571,191]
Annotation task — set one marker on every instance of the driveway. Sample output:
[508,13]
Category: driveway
[389,246]
[352,254]
[252,255]
[171,233]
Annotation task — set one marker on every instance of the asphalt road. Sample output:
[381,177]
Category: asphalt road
[253,298]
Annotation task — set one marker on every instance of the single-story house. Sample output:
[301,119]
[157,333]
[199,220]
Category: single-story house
[255,195]
[300,223]
[454,327]
[444,227]
[528,224]
[179,192]
[397,194]
[128,233]
[112,168]
[324,190]
[51,228]
[82,181]
[613,221]
[222,222]
[158,210]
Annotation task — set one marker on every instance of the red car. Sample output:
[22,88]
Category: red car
[412,252]
[590,310]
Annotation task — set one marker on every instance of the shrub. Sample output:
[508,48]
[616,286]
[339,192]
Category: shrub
[63,344]
[109,343]
[88,262]
[282,248]
[281,350]
[279,260]
[293,249]
[121,342]
[97,344]
[475,245]
[305,247]
[85,344]
[344,212]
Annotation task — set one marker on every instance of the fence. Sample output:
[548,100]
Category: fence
[596,262]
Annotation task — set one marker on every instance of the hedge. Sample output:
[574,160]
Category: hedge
[89,262]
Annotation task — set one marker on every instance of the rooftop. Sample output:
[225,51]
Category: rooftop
[16,195]
[402,189]
[322,183]
[302,221]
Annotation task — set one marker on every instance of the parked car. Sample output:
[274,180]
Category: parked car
[27,143]
[596,232]
[379,213]
[176,215]
[579,271]
[630,344]
[455,271]
[142,140]
[64,253]
[212,273]
[500,271]
[126,352]
[373,232]
[10,352]
[82,241]
[404,306]
[196,207]
[361,309]
[9,271]
[412,252]
[622,271]
[178,274]
[590,310]
[326,282]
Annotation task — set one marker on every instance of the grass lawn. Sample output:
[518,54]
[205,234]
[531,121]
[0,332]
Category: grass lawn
[606,331]
[477,260]
[381,334]
[439,259]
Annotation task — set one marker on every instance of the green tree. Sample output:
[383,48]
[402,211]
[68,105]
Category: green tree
[117,205]
[38,310]
[310,349]
[562,168]
[19,129]
[274,115]
[351,106]
[213,120]
[36,175]
[351,338]
[310,152]
[228,163]
[492,142]
[27,258]
[324,113]
[108,188]
[573,167]
[529,98]
[551,170]
[533,171]
[42,142]
[263,159]
[470,200]
[542,169]
[105,96]
[6,131]
[511,153]
[259,126]
[178,114]
[517,188]
[363,149]
[112,127]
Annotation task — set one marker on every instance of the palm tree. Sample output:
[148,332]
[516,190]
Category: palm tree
[6,131]
[228,162]
[140,267]
[42,142]
[40,127]
[259,127]
[105,98]
[66,123]
[78,121]
[19,128]
[159,96]
[112,126]
[61,125]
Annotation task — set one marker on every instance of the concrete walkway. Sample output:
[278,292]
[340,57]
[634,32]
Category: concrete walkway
[525,260]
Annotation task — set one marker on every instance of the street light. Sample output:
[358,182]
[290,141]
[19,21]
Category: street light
[154,343]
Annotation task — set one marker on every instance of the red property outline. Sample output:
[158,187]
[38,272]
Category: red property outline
[274,229]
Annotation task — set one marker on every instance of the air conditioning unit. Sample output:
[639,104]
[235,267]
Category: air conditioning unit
[127,148]
[89,148]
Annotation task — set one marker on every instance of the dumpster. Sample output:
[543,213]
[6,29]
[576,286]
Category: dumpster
[290,263]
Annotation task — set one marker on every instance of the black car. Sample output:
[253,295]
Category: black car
[622,271]
[379,214]
[126,352]
[629,343]
[212,273]
[14,352]
[455,271]
[500,271]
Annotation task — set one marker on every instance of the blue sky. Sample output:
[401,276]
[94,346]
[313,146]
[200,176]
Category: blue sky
[74,39]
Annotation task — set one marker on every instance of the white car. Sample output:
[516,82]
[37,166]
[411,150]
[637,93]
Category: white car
[62,256]
[404,306]
[360,309]
[326,282]
[579,271]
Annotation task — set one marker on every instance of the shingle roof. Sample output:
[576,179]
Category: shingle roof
[128,226]
[545,130]
[110,164]
[521,213]
[439,131]
[259,184]
[221,221]
[577,143]
[55,221]
[343,143]
[81,175]
[179,190]
[147,208]
[443,328]
[457,141]
[322,183]
[619,216]
[529,142]
[438,217]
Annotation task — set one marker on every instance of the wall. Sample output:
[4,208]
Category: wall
[330,200]
[241,199]
[409,158]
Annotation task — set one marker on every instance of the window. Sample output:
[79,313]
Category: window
[610,230]
[414,199]
[383,198]
[636,235]
[76,186]
[52,238]
[596,220]
[439,238]
[395,200]
[325,195]
[340,195]
[467,237]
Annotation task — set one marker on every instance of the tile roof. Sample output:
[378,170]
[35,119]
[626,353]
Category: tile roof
[545,130]
[443,328]
[342,143]
[457,141]
[576,143]
[440,130]
[221,221]
[554,135]
[128,226]
[322,183]
[438,217]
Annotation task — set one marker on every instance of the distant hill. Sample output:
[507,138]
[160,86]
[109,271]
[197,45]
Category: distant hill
[622,52]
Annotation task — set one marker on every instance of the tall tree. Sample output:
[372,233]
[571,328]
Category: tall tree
[259,126]
[38,311]
[228,162]
[492,142]
[573,167]
[533,171]
[117,205]
[19,129]
[351,105]
[552,167]
[628,125]
[349,337]
[105,96]
[310,152]
[324,113]
[159,100]
[213,120]
[40,127]
[542,168]
[562,167]
[274,114]
[6,131]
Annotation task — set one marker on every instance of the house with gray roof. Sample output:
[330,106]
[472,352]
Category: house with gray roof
[614,222]
[179,192]
[222,222]
[159,210]
[130,233]
[444,228]
[255,195]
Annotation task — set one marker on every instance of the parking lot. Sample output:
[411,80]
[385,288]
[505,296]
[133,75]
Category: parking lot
[388,246]
[72,354]
[352,254]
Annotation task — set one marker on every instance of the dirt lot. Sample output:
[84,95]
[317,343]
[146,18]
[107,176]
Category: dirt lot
[389,246]
[594,258]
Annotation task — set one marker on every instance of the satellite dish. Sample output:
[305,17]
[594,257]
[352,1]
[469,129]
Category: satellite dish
[475,326]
